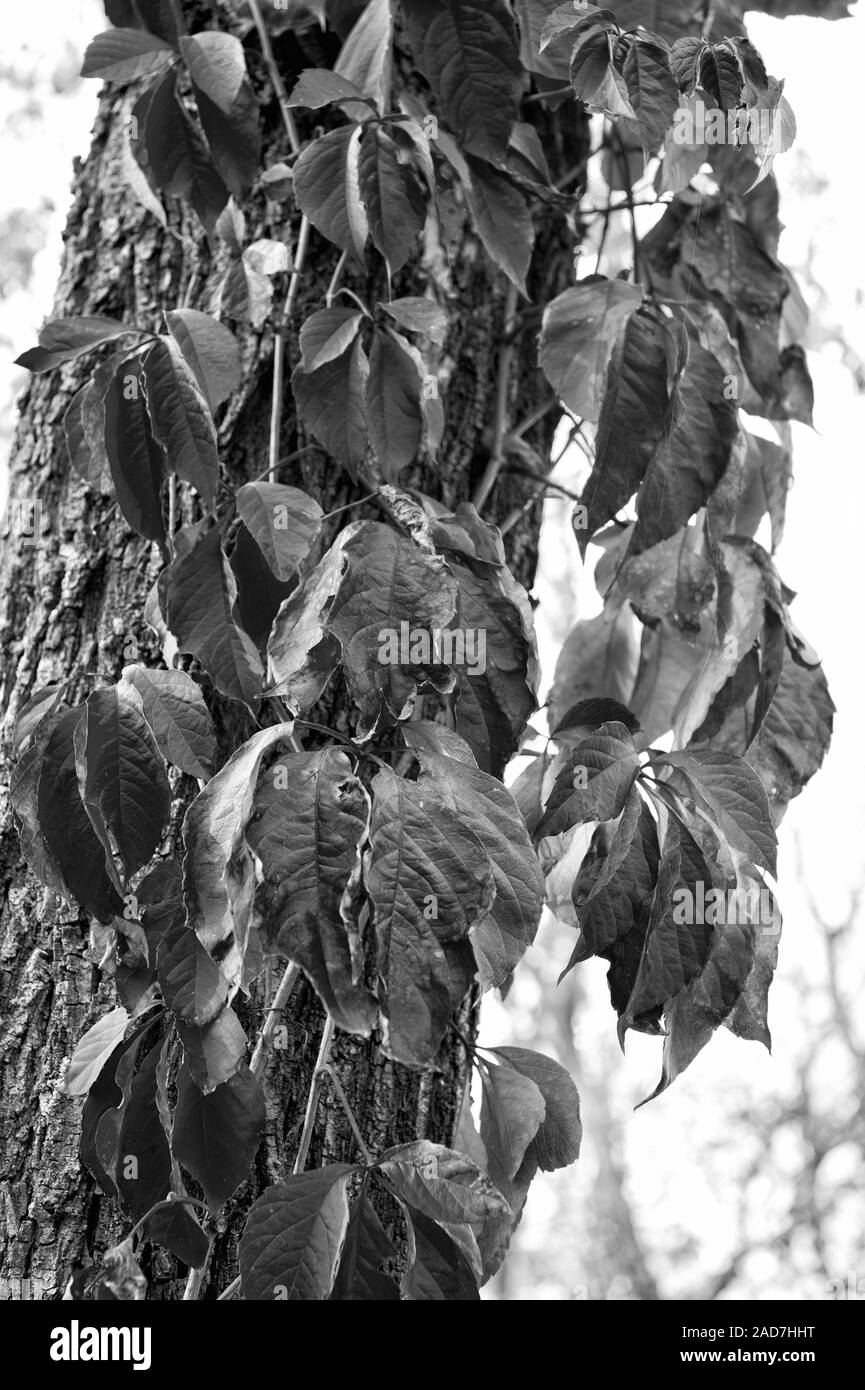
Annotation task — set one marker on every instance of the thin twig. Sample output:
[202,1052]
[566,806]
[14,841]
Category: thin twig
[314,1095]
[230,1290]
[280,999]
[335,279]
[506,358]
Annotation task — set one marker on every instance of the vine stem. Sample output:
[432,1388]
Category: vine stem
[279,347]
[280,999]
[315,1089]
[275,76]
[506,359]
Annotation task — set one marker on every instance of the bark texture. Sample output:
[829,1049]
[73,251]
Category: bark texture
[71,609]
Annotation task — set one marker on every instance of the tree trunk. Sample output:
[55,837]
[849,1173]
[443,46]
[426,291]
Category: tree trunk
[71,609]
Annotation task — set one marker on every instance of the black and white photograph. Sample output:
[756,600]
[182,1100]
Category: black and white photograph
[432,803]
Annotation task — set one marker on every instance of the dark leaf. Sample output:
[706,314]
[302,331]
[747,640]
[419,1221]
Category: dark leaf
[214,1052]
[468,53]
[216,1136]
[135,457]
[594,781]
[211,351]
[176,1228]
[502,220]
[291,1243]
[332,404]
[308,820]
[556,1143]
[395,205]
[181,419]
[327,189]
[177,159]
[282,520]
[580,328]
[393,404]
[175,710]
[437,1269]
[62,340]
[200,594]
[121,55]
[218,869]
[512,1110]
[365,1254]
[65,824]
[193,986]
[143,1157]
[428,881]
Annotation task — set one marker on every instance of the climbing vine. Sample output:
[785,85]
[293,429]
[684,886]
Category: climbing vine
[392,867]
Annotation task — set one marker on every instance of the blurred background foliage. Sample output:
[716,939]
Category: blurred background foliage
[746,1179]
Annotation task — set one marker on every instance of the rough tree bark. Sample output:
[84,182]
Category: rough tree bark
[71,608]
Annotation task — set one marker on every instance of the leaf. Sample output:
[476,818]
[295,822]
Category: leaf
[498,682]
[580,328]
[734,798]
[259,594]
[158,17]
[176,1228]
[420,315]
[502,220]
[444,1186]
[302,653]
[332,404]
[616,880]
[692,456]
[392,593]
[599,659]
[193,986]
[468,53]
[175,710]
[68,833]
[200,594]
[216,65]
[211,351]
[38,708]
[218,871]
[428,881]
[283,521]
[135,456]
[143,1172]
[393,404]
[594,781]
[122,778]
[587,716]
[632,419]
[245,294]
[651,91]
[234,140]
[177,159]
[366,58]
[437,1270]
[482,804]
[327,189]
[308,820]
[318,87]
[93,1051]
[214,1051]
[291,1243]
[365,1253]
[720,75]
[327,334]
[181,419]
[512,1111]
[556,1143]
[268,257]
[395,206]
[216,1136]
[122,55]
[107,1094]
